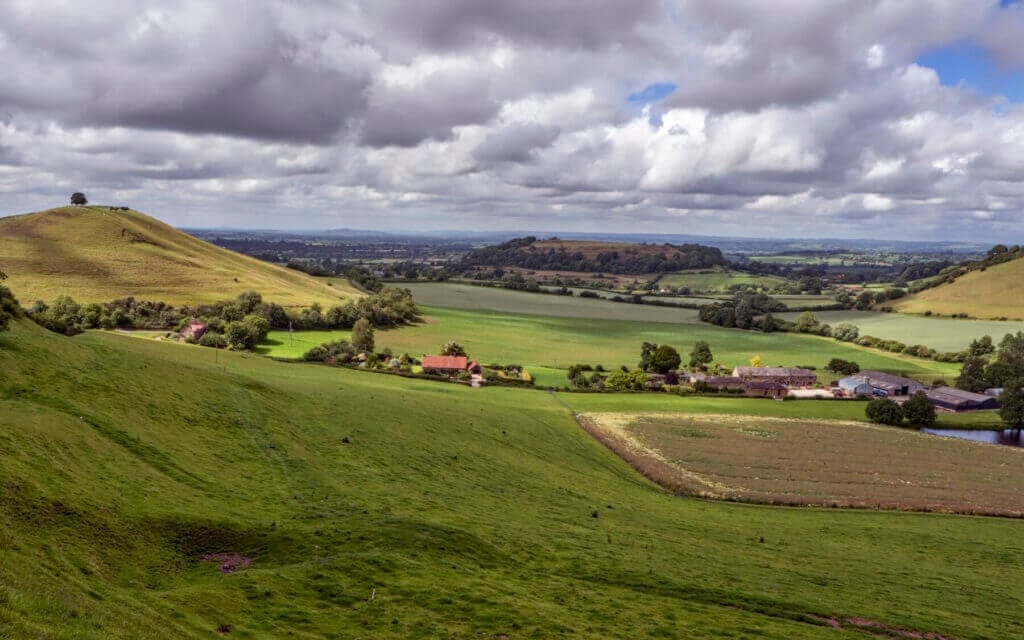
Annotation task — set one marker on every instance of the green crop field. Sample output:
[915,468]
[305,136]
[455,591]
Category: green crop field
[464,296]
[995,292]
[560,342]
[718,280]
[942,334]
[97,255]
[334,503]
[826,462]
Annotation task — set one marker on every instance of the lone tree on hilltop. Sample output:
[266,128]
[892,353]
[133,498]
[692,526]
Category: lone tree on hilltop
[78,199]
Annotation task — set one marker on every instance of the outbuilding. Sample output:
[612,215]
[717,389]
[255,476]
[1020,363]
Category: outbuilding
[886,384]
[958,400]
[853,387]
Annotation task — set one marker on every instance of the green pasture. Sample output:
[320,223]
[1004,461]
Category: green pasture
[557,343]
[716,280]
[942,334]
[380,507]
[463,296]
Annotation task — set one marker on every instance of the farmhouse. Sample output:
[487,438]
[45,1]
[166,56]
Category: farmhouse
[725,383]
[886,384]
[788,376]
[853,387]
[445,365]
[194,330]
[474,367]
[959,400]
[757,389]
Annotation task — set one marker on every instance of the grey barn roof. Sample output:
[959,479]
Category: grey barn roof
[774,372]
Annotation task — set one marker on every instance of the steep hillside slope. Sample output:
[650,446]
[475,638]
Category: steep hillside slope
[331,503]
[96,255]
[996,292]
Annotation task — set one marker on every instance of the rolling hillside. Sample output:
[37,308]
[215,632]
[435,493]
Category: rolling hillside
[97,255]
[151,490]
[995,292]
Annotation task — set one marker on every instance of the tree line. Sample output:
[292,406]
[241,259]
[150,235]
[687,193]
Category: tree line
[521,253]
[239,323]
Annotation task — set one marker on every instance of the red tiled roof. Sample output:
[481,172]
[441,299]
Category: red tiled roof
[444,362]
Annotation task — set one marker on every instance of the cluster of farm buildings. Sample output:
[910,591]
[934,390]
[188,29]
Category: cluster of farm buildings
[779,382]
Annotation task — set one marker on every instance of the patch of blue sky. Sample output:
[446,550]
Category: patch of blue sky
[968,64]
[652,93]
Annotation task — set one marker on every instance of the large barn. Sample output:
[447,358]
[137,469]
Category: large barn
[959,400]
[886,384]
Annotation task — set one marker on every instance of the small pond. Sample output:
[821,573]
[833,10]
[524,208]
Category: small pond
[1007,437]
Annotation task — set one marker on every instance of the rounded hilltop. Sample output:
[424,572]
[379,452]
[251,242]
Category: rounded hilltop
[98,253]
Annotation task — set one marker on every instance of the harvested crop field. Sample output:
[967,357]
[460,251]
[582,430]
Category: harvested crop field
[812,462]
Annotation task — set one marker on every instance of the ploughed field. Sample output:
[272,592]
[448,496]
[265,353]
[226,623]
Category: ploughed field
[157,490]
[797,461]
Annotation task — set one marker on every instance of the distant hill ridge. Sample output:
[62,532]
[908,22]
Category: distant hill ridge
[595,256]
[97,254]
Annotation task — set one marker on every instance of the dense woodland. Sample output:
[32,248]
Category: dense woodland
[523,253]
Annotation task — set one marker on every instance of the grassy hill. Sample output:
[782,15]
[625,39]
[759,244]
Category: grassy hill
[995,292]
[346,504]
[97,255]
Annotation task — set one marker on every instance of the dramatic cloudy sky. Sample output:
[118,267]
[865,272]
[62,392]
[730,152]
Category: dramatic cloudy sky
[740,117]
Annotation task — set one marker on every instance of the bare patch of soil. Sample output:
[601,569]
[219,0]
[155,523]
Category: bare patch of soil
[229,562]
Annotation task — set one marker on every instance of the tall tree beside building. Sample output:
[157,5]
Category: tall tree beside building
[1011,408]
[362,336]
[919,411]
[665,359]
[701,356]
[452,348]
[972,374]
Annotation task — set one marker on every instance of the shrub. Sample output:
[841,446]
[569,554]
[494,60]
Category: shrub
[919,411]
[212,339]
[845,332]
[884,411]
[626,380]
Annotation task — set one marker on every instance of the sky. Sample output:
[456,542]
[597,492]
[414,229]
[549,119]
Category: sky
[781,118]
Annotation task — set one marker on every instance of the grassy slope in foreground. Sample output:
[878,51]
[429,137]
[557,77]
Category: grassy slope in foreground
[465,513]
[561,342]
[996,292]
[97,255]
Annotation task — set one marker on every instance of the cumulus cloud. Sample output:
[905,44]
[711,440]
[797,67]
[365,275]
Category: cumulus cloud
[449,113]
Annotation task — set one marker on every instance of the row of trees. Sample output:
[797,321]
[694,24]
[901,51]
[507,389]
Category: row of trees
[521,253]
[387,307]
